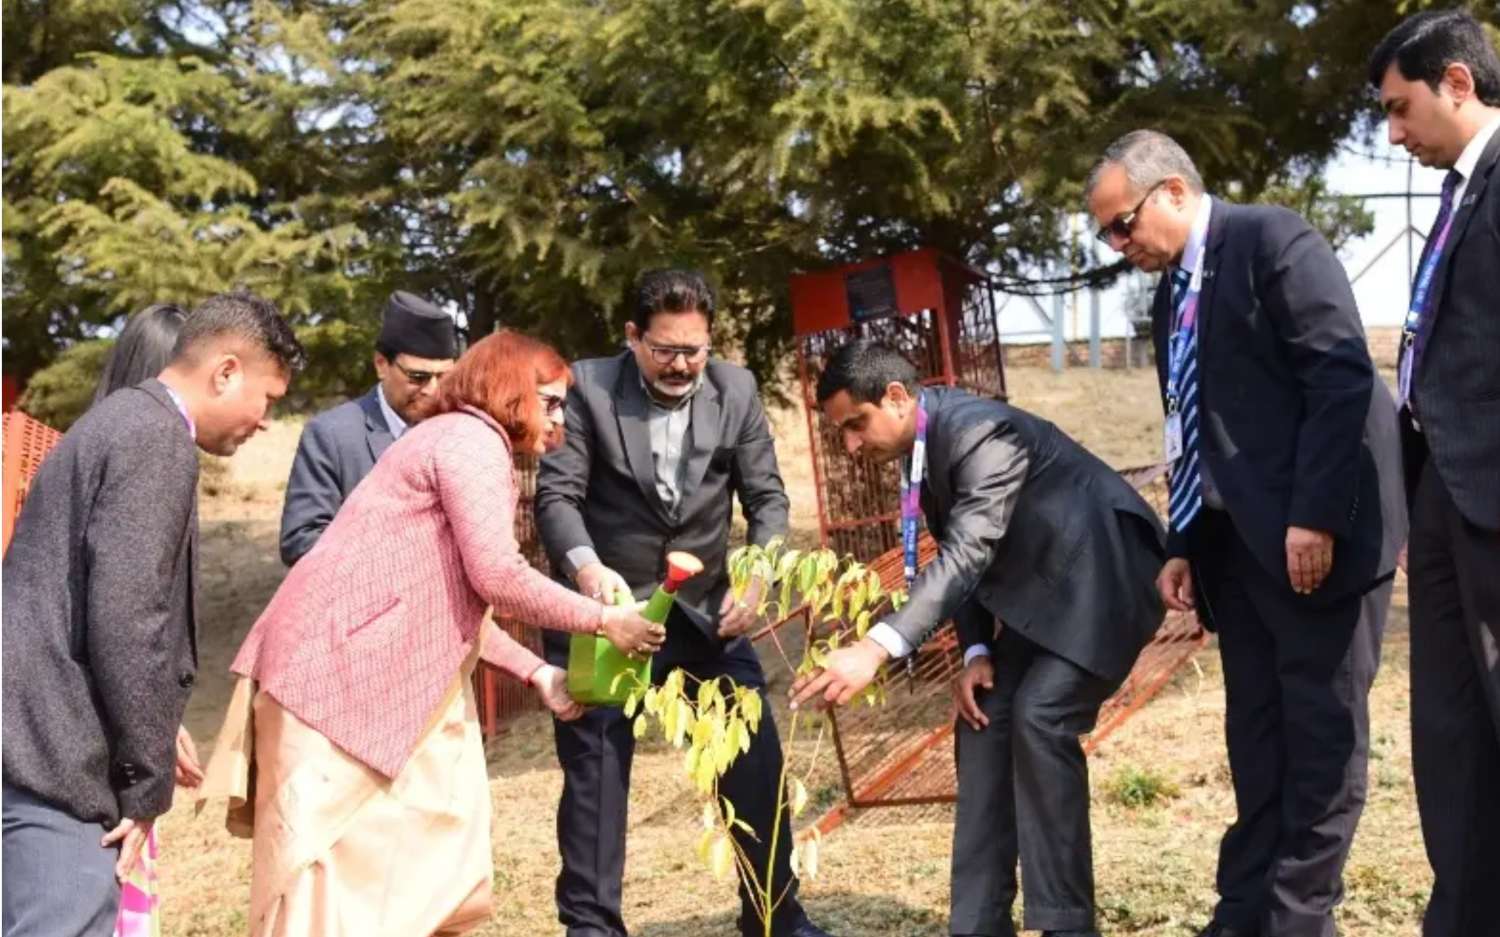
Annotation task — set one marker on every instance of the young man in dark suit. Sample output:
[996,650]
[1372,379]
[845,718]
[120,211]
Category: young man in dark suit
[1285,513]
[99,615]
[1034,533]
[416,347]
[1438,76]
[659,439]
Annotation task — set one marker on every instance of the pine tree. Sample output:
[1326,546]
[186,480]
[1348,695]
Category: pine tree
[525,159]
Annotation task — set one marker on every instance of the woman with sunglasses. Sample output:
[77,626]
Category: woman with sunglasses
[369,758]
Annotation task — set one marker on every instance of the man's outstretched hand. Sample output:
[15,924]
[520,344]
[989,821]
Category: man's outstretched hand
[845,672]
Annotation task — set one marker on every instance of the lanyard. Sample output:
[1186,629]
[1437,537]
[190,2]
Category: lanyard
[1424,281]
[1184,333]
[1419,306]
[183,411]
[911,506]
[911,491]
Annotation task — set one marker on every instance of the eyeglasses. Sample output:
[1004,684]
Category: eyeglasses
[418,378]
[666,354]
[552,404]
[1124,224]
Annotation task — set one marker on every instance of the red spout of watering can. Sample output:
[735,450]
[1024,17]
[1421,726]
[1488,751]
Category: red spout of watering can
[680,568]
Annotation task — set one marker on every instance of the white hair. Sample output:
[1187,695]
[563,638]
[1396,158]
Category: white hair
[1148,157]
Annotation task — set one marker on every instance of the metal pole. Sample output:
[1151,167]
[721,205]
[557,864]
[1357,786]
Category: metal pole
[1410,260]
[810,407]
[1095,352]
[1059,345]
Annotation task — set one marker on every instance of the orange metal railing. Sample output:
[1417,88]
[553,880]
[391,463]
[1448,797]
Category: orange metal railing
[26,442]
[902,753]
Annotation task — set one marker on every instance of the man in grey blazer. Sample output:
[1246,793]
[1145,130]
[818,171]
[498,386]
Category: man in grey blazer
[100,644]
[659,439]
[1046,563]
[417,346]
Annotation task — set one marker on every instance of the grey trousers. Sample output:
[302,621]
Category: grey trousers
[58,881]
[1023,793]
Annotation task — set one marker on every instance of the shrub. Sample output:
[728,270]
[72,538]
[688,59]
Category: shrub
[59,393]
[1140,787]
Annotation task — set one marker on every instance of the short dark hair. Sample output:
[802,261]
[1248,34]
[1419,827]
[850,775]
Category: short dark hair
[142,349]
[245,316]
[865,368]
[1423,45]
[671,291]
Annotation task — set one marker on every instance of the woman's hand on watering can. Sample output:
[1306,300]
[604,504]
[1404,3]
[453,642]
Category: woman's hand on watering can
[629,632]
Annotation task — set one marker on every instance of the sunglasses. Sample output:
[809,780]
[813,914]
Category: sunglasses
[1124,224]
[418,378]
[666,354]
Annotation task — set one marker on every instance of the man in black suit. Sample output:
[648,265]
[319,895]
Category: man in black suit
[1285,515]
[1033,532]
[1439,83]
[338,448]
[100,641]
[659,439]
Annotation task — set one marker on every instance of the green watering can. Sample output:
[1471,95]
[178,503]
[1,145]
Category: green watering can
[594,663]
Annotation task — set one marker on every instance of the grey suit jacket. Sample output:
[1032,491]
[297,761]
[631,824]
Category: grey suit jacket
[599,489]
[1033,530]
[337,450]
[100,646]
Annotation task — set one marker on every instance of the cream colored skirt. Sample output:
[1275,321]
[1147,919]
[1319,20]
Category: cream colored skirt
[339,851]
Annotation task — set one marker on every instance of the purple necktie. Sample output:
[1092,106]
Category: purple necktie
[1429,311]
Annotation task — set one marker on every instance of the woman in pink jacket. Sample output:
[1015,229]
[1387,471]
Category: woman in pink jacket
[371,799]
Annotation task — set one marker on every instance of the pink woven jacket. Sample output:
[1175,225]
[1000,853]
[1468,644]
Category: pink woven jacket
[369,629]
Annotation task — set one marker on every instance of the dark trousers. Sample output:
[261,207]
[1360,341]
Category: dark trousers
[1023,792]
[1297,679]
[58,880]
[596,752]
[1455,709]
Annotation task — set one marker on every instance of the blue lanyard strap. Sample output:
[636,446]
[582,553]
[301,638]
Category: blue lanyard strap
[1184,334]
[911,490]
[911,507]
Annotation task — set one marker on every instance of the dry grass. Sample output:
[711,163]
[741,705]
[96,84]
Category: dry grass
[886,873]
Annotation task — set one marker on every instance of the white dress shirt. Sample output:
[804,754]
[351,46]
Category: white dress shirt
[393,420]
[1469,159]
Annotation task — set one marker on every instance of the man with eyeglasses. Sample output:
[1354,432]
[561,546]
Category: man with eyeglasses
[338,448]
[1285,517]
[660,438]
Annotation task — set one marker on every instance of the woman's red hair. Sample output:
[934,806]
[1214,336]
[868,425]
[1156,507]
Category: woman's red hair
[499,374]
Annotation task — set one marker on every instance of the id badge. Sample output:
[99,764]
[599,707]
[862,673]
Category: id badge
[1172,436]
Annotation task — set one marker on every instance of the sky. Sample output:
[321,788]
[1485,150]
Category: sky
[1381,288]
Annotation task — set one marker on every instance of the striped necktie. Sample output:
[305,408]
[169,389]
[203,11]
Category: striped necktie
[1186,486]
